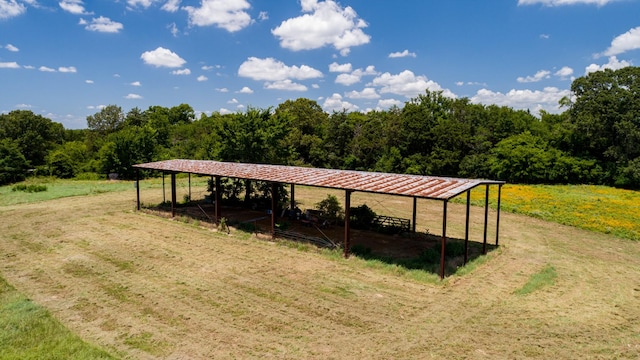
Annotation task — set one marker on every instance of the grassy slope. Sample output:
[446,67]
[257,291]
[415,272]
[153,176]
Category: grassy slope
[149,287]
[28,331]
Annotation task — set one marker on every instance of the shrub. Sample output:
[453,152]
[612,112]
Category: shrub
[29,188]
[330,209]
[361,217]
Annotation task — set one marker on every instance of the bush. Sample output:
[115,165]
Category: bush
[361,217]
[330,209]
[29,188]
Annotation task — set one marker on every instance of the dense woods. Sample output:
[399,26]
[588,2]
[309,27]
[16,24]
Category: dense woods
[595,140]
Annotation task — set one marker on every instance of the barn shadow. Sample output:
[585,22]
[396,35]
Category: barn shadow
[408,250]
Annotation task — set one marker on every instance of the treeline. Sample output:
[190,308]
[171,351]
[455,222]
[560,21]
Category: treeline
[595,140]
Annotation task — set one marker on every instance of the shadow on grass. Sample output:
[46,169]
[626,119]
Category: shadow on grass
[409,251]
[428,260]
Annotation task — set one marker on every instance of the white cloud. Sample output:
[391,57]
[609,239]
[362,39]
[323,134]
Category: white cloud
[181,72]
[402,54]
[207,67]
[270,69]
[315,86]
[46,69]
[355,76]
[226,14]
[67,69]
[384,104]
[535,100]
[366,93]
[75,7]
[540,75]
[224,111]
[565,2]
[171,6]
[246,90]
[102,24]
[625,42]
[11,48]
[459,83]
[202,78]
[88,81]
[133,96]
[342,68]
[173,28]
[325,23]
[144,3]
[545,36]
[347,79]
[30,67]
[564,73]
[23,106]
[11,8]
[222,90]
[613,64]
[162,57]
[407,84]
[286,84]
[263,15]
[233,101]
[135,83]
[335,103]
[9,65]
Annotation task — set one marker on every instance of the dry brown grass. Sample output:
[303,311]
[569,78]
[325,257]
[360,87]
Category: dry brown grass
[148,287]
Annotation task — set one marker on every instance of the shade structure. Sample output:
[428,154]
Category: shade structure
[415,186]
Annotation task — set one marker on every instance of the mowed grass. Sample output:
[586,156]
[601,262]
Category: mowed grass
[149,287]
[28,331]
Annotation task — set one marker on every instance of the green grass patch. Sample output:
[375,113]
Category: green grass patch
[596,208]
[545,277]
[58,188]
[28,331]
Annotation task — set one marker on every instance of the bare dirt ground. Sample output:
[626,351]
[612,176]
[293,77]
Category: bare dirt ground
[147,287]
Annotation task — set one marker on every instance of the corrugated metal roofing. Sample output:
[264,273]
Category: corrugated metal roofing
[429,187]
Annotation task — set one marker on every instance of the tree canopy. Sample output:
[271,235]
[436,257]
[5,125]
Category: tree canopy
[596,139]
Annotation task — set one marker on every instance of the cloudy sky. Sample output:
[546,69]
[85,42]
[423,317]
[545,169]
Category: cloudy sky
[68,59]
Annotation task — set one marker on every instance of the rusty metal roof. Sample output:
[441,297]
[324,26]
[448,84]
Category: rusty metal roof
[429,187]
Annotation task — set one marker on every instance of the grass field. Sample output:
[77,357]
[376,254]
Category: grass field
[145,287]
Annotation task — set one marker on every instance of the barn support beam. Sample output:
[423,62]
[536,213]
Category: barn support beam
[415,210]
[498,216]
[138,189]
[164,193]
[292,198]
[189,186]
[173,194]
[466,229]
[217,201]
[444,239]
[347,222]
[274,203]
[486,220]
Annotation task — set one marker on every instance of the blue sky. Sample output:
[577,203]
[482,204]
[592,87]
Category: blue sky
[67,59]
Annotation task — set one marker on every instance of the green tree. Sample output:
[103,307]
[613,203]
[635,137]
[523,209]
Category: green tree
[308,122]
[108,120]
[34,135]
[60,164]
[605,116]
[13,165]
[181,114]
[255,136]
[127,147]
